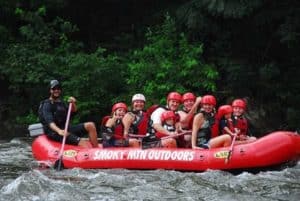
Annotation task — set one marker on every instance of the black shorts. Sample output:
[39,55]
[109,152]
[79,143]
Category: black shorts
[203,143]
[76,132]
[115,143]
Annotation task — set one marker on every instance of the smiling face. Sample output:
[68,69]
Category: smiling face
[188,104]
[55,92]
[173,104]
[208,108]
[238,111]
[138,105]
[227,116]
[120,113]
[170,121]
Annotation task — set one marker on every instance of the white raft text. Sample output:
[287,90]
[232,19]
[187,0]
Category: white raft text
[144,155]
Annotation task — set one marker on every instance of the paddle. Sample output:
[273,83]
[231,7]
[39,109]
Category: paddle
[136,136]
[177,135]
[58,163]
[155,142]
[231,149]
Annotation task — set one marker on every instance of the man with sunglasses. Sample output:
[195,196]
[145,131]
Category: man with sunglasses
[53,113]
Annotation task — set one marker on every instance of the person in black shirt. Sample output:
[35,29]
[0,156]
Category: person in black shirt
[53,113]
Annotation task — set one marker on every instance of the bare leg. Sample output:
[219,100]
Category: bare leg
[91,129]
[188,141]
[169,143]
[84,143]
[134,143]
[246,141]
[220,141]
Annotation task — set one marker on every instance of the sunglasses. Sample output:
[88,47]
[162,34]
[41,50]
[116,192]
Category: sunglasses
[56,88]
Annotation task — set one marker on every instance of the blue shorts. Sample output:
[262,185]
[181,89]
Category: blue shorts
[204,146]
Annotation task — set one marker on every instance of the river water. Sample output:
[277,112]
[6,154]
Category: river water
[22,179]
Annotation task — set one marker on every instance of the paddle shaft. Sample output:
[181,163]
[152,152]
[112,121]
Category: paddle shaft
[142,136]
[157,142]
[231,149]
[166,137]
[60,156]
[136,136]
[176,135]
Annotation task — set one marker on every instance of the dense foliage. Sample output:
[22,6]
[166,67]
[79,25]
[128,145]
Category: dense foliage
[229,48]
[171,63]
[254,45]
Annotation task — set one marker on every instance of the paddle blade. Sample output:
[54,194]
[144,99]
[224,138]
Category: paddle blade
[228,157]
[59,165]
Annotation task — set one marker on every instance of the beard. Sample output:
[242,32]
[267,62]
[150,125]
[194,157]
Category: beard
[55,96]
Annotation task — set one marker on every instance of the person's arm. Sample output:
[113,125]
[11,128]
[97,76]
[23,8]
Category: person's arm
[178,127]
[111,121]
[160,129]
[185,119]
[73,101]
[228,131]
[49,119]
[55,128]
[127,121]
[157,124]
[197,123]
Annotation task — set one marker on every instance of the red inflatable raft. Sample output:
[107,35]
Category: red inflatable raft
[273,149]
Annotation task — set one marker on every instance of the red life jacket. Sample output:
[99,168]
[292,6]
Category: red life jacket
[104,120]
[213,123]
[118,128]
[241,123]
[229,124]
[151,109]
[140,124]
[215,129]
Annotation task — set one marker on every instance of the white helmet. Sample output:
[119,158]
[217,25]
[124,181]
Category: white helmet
[138,97]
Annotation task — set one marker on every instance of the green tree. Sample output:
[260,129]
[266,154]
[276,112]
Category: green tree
[169,62]
[254,45]
[44,52]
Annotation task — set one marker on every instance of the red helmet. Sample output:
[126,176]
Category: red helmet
[167,115]
[188,96]
[119,105]
[209,99]
[174,96]
[239,103]
[224,109]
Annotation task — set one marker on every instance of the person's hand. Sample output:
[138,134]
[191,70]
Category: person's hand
[198,99]
[237,131]
[179,130]
[172,133]
[72,99]
[116,117]
[243,137]
[62,132]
